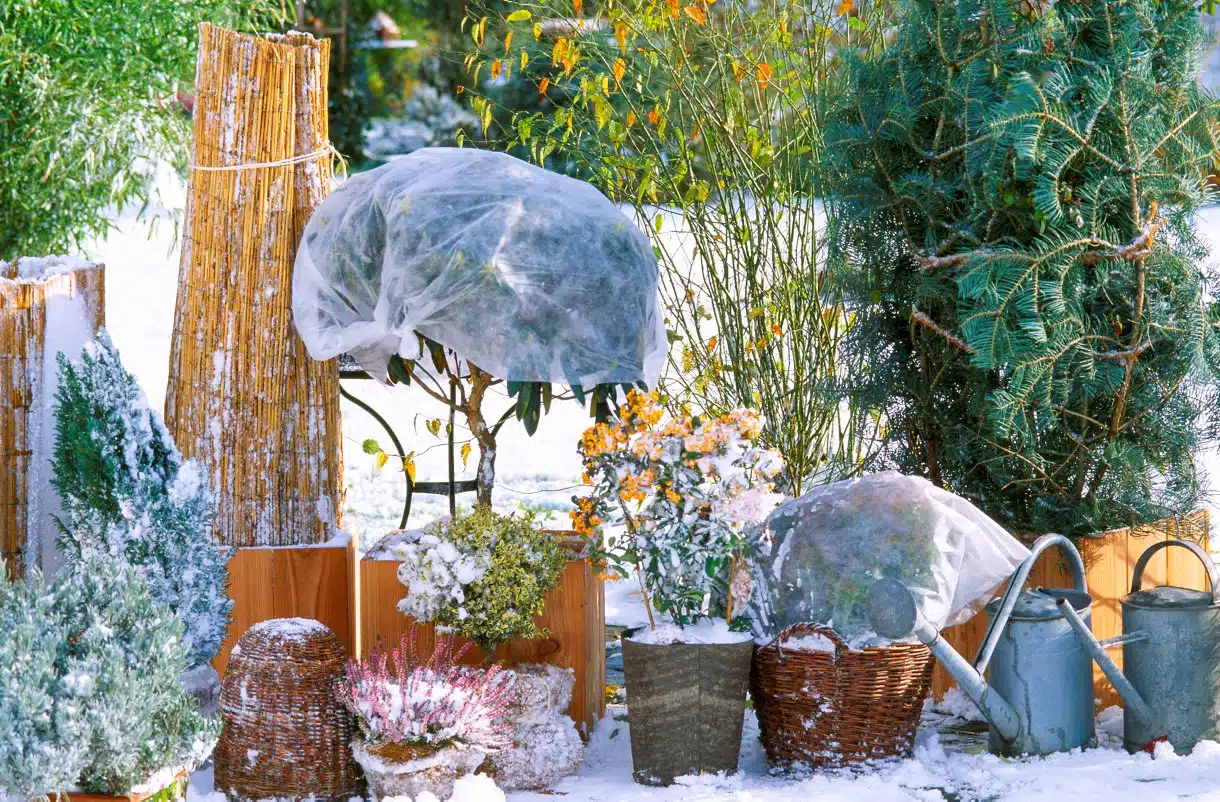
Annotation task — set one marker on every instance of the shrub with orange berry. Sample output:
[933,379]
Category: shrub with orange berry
[676,501]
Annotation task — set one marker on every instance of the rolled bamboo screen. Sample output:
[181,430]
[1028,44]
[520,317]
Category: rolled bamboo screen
[244,398]
[31,293]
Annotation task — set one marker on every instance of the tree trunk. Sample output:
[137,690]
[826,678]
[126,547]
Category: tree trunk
[486,476]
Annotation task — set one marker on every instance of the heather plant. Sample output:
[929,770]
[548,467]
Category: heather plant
[483,574]
[689,493]
[402,700]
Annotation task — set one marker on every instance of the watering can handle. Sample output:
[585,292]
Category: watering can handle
[1017,581]
[1213,578]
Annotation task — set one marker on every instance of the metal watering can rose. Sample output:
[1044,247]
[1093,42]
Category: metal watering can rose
[1170,678]
[1039,697]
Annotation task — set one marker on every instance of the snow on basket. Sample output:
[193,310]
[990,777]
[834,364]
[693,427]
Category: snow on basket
[47,305]
[530,275]
[286,733]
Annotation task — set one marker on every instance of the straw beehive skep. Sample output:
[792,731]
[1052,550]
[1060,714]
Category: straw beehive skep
[27,377]
[244,398]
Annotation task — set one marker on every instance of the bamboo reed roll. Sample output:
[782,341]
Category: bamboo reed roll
[33,293]
[244,398]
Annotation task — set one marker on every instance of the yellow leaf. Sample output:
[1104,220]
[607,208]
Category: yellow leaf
[630,118]
[525,59]
[542,86]
[711,344]
[381,459]
[465,454]
[408,465]
[618,70]
[487,119]
[845,7]
[695,13]
[620,35]
[738,71]
[479,32]
[561,44]
[537,30]
[508,42]
[764,76]
[520,15]
[496,67]
[434,427]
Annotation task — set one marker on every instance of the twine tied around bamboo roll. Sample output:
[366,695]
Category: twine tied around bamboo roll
[244,397]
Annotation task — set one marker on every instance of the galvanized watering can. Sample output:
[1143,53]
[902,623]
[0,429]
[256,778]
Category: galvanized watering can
[1040,696]
[1170,678]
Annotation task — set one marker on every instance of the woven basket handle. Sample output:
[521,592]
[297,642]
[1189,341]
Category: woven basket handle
[797,630]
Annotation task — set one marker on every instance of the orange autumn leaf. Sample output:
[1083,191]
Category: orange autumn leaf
[711,344]
[620,35]
[845,7]
[630,118]
[496,68]
[764,76]
[618,69]
[508,42]
[542,86]
[561,45]
[695,13]
[695,134]
[654,116]
[578,6]
[673,8]
[738,71]
[777,330]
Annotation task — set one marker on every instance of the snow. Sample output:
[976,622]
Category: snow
[710,631]
[39,267]
[294,630]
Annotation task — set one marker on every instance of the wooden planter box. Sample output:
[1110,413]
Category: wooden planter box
[1109,559]
[358,600]
[291,582]
[574,615]
[176,790]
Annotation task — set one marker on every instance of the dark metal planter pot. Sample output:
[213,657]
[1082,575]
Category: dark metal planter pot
[685,706]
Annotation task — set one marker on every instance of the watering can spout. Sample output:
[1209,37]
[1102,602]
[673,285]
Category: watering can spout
[893,614]
[1136,705]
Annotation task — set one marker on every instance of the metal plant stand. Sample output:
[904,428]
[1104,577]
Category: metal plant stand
[349,371]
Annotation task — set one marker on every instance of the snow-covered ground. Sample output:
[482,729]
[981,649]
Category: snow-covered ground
[142,270]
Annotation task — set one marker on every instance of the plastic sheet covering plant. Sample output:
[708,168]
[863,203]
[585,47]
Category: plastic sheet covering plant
[244,398]
[822,552]
[529,275]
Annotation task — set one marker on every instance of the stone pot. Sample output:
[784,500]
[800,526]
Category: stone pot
[685,704]
[394,770]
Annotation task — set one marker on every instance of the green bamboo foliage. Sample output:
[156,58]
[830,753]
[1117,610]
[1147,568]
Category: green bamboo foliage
[1015,187]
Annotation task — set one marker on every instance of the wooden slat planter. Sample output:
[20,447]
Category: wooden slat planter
[307,582]
[1109,559]
[574,614]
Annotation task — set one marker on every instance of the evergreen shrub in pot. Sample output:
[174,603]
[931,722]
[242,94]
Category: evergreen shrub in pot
[686,492]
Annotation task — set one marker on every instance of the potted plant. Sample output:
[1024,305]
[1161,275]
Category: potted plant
[91,691]
[482,575]
[687,492]
[424,723]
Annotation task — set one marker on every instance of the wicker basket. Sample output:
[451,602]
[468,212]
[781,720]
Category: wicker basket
[285,733]
[832,709]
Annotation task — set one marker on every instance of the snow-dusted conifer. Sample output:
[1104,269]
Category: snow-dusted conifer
[126,491]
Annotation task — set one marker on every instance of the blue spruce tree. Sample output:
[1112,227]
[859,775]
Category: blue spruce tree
[125,491]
